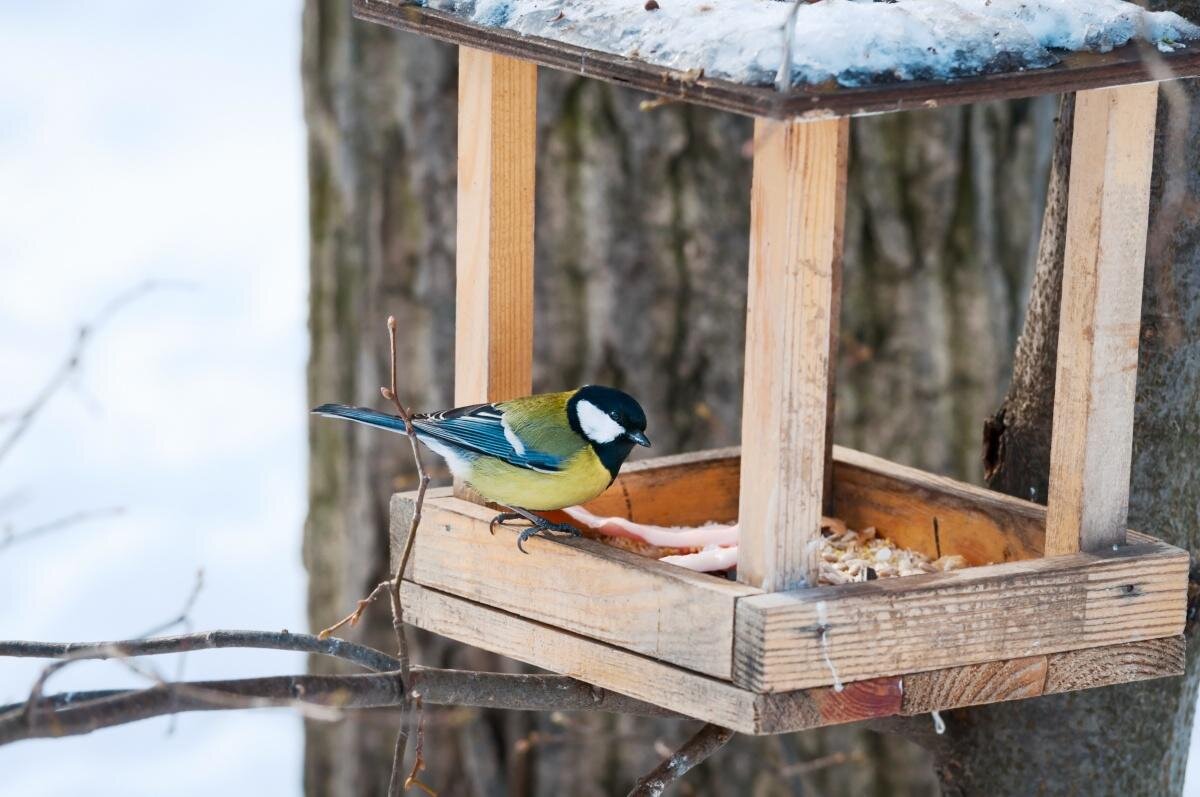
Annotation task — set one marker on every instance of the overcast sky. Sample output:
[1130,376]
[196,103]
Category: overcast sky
[141,141]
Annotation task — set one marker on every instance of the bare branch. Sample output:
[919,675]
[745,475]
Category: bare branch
[74,713]
[707,741]
[184,618]
[458,688]
[71,718]
[206,640]
[392,395]
[801,768]
[12,537]
[356,615]
[23,419]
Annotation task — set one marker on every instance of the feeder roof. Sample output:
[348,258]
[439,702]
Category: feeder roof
[833,57]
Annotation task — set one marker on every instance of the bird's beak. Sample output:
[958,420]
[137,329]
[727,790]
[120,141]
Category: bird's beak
[639,438]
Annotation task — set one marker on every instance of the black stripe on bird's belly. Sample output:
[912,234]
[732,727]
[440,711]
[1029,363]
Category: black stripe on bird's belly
[613,455]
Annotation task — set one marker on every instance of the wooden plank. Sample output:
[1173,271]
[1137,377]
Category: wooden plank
[583,585]
[933,514]
[640,677]
[800,639]
[1112,149]
[974,685]
[497,130]
[569,654]
[1077,71]
[720,702]
[796,214]
[680,490]
[918,510]
[1118,664]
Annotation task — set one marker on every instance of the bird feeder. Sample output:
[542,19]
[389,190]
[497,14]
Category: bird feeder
[1058,598]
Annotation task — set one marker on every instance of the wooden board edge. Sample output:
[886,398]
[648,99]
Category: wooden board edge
[1074,670]
[762,714]
[563,652]
[580,585]
[475,513]
[754,614]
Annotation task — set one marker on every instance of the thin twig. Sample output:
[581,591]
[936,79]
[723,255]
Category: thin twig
[812,765]
[391,393]
[12,537]
[184,618]
[24,418]
[418,766]
[707,741]
[356,615]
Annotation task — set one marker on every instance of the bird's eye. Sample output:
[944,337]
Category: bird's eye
[613,415]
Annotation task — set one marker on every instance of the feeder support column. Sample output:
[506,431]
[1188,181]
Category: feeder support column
[797,206]
[1112,149]
[497,133]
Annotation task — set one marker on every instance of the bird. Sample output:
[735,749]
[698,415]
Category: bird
[531,454]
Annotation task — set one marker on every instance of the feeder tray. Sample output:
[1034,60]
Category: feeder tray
[1058,598]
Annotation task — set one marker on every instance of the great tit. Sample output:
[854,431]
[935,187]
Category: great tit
[536,453]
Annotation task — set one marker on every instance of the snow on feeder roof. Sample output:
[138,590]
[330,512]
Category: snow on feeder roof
[853,42]
[848,57]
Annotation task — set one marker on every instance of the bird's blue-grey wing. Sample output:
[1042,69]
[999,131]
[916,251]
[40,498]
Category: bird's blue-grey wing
[481,429]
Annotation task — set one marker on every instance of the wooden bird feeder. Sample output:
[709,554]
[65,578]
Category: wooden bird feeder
[1059,598]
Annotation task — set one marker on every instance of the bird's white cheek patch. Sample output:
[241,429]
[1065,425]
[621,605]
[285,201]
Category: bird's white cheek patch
[596,424]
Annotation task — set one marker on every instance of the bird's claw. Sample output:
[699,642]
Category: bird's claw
[501,519]
[542,526]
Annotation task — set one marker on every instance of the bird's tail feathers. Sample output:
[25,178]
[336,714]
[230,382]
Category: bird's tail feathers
[380,420]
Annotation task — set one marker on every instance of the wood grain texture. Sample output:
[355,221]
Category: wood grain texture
[932,514]
[797,207]
[918,510]
[1137,661]
[680,490]
[1100,318]
[585,586]
[497,131]
[1077,71]
[974,684]
[570,654]
[723,703]
[790,640]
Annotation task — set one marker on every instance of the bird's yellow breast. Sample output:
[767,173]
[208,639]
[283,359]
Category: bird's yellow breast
[582,478]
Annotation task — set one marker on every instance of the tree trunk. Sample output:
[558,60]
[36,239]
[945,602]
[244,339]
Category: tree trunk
[1131,739]
[640,282]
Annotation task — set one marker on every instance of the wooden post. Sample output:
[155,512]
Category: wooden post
[797,205]
[1112,149]
[497,137]
[497,131]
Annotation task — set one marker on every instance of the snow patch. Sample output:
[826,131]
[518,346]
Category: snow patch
[855,42]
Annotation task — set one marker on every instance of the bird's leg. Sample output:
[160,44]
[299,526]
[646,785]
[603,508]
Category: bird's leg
[540,524]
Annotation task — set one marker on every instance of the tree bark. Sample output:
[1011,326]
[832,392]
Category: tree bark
[1131,739]
[640,283]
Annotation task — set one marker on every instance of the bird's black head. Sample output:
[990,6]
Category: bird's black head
[612,421]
